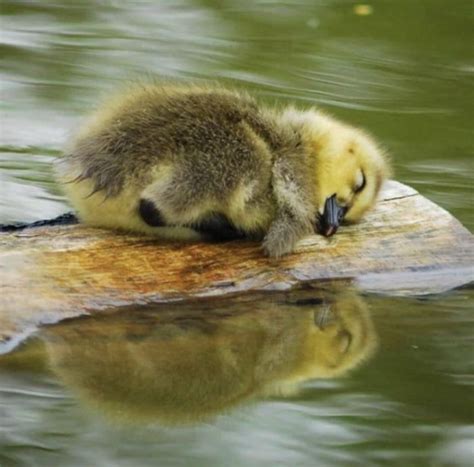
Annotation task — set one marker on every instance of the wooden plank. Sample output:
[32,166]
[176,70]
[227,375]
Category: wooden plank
[407,245]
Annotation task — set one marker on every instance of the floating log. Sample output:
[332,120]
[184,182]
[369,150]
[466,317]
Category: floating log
[406,246]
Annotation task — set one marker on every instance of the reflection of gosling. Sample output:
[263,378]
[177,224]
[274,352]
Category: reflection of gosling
[214,160]
[182,367]
[334,338]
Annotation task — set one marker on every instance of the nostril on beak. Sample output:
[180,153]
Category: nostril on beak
[342,212]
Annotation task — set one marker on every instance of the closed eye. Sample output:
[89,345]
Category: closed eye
[361,185]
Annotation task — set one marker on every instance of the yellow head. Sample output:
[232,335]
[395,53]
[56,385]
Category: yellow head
[350,170]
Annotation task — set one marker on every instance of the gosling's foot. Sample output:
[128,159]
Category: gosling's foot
[218,228]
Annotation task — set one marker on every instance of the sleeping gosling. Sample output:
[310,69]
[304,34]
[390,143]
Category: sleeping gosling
[187,162]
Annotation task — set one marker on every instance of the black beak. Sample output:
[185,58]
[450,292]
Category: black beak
[332,217]
[323,317]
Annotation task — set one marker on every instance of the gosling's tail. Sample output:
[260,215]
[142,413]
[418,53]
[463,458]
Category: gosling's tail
[64,219]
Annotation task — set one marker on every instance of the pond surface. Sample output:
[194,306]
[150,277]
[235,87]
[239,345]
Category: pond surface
[87,392]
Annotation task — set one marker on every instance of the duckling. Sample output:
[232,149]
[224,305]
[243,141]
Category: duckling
[187,162]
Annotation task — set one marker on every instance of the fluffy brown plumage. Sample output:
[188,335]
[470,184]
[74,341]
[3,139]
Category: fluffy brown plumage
[182,161]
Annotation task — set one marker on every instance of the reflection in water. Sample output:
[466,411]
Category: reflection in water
[410,404]
[187,364]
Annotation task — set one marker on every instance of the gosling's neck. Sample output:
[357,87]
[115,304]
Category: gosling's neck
[314,132]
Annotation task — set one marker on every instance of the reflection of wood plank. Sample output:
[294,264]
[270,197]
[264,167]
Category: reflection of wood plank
[407,245]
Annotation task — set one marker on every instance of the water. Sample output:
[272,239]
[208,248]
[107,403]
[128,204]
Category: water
[404,71]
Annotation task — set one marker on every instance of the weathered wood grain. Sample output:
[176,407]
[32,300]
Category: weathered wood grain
[407,245]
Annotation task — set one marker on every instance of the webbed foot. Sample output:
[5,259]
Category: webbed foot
[218,228]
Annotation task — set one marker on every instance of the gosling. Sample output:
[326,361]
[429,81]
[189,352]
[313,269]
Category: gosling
[186,162]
